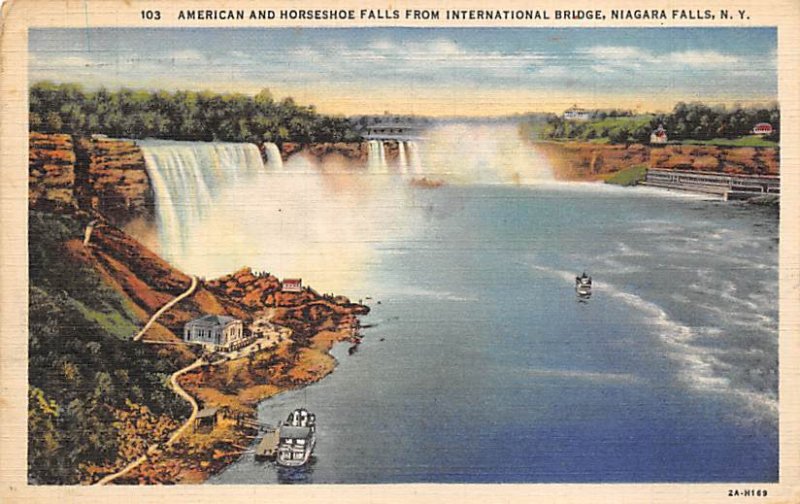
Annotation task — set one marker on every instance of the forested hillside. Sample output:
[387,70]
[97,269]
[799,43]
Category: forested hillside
[181,115]
[688,122]
[88,380]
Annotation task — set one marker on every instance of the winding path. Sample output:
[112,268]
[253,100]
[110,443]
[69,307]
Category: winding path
[166,307]
[173,381]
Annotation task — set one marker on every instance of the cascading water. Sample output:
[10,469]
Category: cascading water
[186,177]
[413,157]
[402,159]
[382,154]
[274,159]
[376,159]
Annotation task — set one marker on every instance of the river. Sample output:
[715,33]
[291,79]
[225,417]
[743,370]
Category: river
[481,364]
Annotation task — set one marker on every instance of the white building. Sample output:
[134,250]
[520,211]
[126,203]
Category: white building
[576,114]
[658,136]
[218,330]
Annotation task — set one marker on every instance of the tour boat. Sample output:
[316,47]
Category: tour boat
[583,285]
[297,438]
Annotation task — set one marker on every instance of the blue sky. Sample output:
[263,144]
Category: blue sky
[425,70]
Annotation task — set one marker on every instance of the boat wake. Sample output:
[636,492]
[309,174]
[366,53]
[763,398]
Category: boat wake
[701,368]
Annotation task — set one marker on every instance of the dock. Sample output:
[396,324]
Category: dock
[727,186]
[267,448]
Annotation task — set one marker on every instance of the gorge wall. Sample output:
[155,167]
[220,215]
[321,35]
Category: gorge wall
[100,174]
[587,161]
[350,151]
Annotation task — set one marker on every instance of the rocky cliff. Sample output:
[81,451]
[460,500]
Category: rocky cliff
[104,175]
[587,161]
[116,181]
[306,312]
[51,171]
[351,151]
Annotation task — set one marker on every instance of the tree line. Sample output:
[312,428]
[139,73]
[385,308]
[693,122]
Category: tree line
[181,115]
[687,121]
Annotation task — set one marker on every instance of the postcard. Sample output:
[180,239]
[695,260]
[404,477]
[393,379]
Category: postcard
[368,252]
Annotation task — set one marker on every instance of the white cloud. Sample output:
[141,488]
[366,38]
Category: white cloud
[702,58]
[617,53]
[633,57]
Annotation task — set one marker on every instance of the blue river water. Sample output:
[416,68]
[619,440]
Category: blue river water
[483,366]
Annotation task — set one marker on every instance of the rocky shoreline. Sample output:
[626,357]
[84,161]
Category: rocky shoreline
[592,161]
[200,455]
[310,325]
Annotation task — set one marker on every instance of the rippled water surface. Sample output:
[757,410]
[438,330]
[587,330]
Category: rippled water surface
[483,366]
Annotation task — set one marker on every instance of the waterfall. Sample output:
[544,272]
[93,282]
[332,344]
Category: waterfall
[186,177]
[401,156]
[413,158]
[376,157]
[382,154]
[274,159]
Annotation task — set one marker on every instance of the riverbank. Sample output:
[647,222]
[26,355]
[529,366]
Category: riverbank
[304,326]
[236,386]
[107,290]
[585,161]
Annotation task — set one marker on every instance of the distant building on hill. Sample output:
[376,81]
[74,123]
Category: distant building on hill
[659,135]
[762,129]
[292,285]
[218,330]
[574,113]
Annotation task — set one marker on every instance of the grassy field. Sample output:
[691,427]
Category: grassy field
[628,177]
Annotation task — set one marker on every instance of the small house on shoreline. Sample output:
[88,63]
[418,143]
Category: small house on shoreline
[217,330]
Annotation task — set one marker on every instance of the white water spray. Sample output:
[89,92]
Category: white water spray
[413,158]
[402,160]
[186,177]
[484,154]
[376,157]
[274,159]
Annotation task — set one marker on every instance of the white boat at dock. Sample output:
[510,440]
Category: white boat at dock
[297,437]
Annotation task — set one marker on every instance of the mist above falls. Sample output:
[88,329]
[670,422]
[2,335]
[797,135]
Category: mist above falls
[219,207]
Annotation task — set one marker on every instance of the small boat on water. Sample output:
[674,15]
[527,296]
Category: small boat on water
[297,438]
[583,285]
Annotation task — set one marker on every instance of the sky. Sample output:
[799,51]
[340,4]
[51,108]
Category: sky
[427,71]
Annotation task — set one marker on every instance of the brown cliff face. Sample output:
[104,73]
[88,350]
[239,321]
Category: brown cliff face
[734,160]
[115,180]
[582,161]
[148,281]
[351,151]
[51,171]
[104,175]
[587,161]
